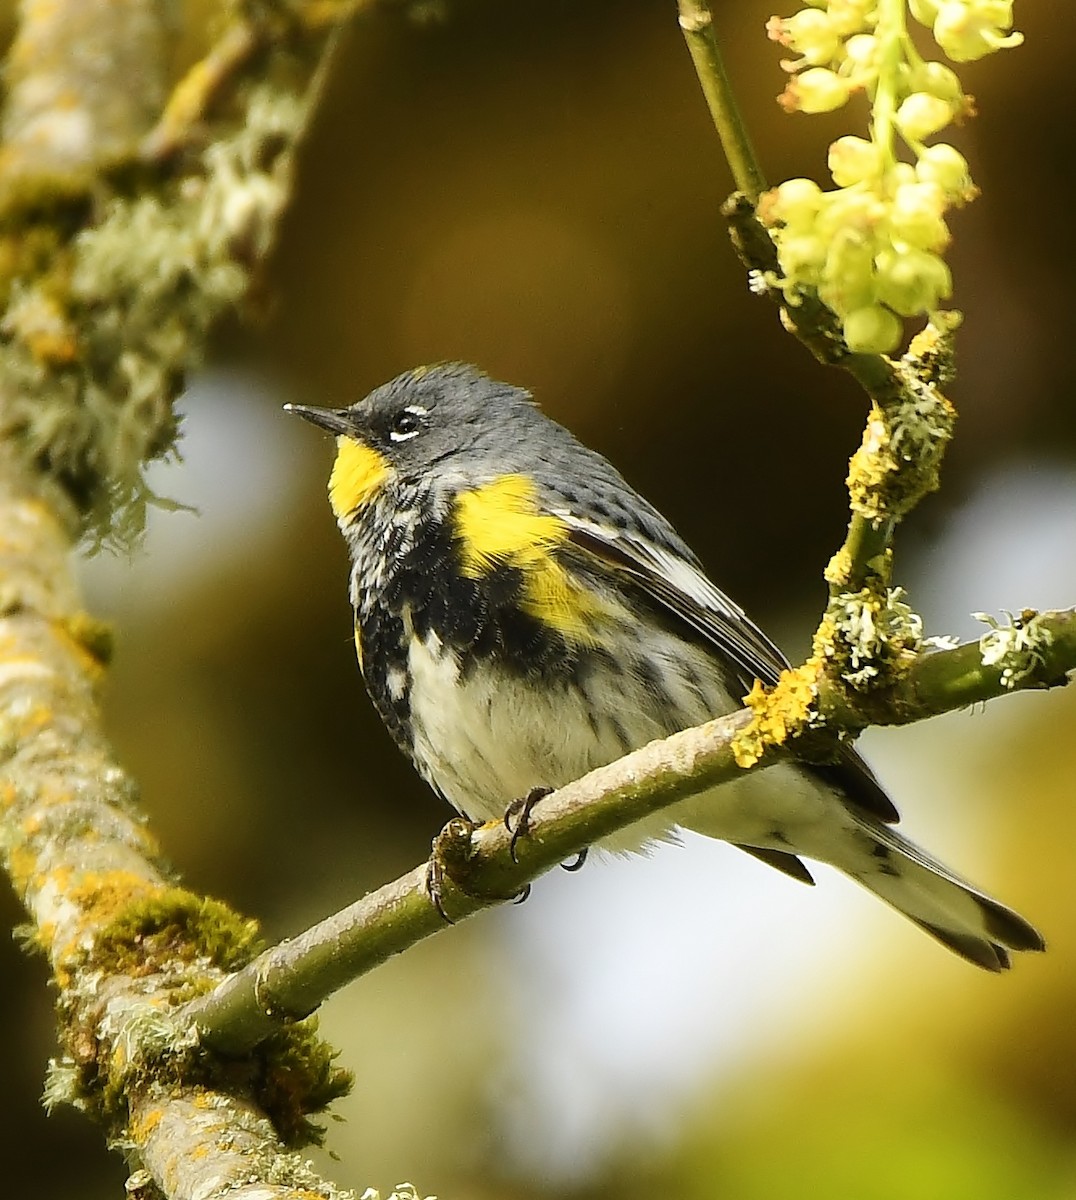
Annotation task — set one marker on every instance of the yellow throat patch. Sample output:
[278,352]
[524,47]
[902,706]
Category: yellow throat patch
[500,524]
[357,474]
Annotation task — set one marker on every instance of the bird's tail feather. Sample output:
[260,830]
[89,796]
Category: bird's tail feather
[971,923]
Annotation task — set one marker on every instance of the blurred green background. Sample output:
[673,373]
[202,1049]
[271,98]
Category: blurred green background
[534,187]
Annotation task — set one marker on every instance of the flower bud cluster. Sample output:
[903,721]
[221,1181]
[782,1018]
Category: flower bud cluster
[872,247]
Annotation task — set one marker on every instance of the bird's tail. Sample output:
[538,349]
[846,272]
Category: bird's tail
[970,923]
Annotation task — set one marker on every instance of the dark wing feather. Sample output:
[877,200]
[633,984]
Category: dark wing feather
[683,590]
[856,780]
[788,863]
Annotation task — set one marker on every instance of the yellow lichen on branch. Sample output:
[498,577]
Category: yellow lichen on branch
[778,714]
[104,307]
[897,462]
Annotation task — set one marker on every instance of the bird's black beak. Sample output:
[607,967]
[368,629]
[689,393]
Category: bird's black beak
[335,420]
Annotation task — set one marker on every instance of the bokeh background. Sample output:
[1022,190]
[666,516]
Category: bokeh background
[534,187]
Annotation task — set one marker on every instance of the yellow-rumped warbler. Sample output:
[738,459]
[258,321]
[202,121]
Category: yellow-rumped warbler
[523,616]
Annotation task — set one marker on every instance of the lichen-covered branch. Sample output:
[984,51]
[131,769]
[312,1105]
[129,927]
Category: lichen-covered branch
[246,1162]
[479,868]
[86,80]
[868,634]
[908,427]
[822,264]
[124,943]
[103,308]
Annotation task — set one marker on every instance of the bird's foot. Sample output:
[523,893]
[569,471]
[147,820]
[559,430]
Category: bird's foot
[450,866]
[449,853]
[520,812]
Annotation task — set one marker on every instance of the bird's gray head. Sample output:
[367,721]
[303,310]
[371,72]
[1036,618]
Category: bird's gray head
[446,419]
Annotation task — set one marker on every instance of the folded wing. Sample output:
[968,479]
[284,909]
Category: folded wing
[681,589]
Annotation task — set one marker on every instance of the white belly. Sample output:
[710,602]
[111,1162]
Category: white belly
[484,745]
[485,740]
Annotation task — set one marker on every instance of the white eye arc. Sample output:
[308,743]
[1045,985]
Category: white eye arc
[408,423]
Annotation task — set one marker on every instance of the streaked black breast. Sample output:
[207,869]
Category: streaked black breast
[420,591]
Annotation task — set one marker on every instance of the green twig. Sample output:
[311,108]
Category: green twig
[696,21]
[809,320]
[477,870]
[900,389]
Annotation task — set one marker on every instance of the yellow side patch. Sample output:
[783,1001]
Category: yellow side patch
[358,647]
[356,476]
[501,524]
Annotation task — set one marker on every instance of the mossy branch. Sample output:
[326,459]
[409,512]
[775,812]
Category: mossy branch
[124,943]
[106,305]
[120,253]
[477,867]
[86,79]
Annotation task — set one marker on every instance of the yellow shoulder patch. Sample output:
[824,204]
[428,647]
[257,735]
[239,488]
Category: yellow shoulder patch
[357,474]
[500,524]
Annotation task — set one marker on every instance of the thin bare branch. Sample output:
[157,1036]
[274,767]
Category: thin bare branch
[290,980]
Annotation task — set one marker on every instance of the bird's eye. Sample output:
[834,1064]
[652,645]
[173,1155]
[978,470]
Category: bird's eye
[407,423]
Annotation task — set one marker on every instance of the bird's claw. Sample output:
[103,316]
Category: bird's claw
[576,863]
[450,854]
[520,810]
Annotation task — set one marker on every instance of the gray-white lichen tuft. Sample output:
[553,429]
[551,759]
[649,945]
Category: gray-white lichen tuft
[1018,648]
[402,1191]
[96,351]
[874,633]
